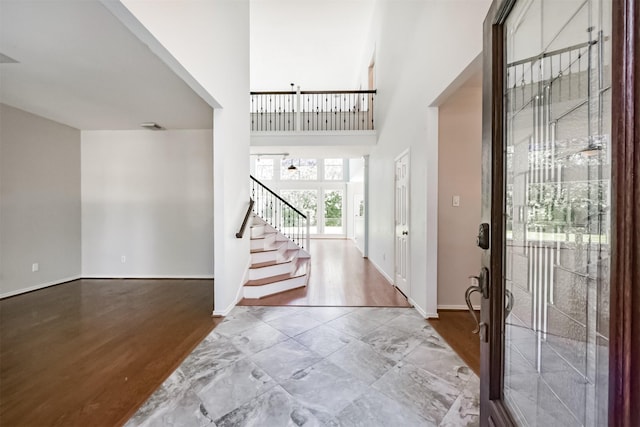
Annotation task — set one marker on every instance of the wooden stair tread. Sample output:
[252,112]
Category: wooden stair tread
[255,251]
[301,270]
[290,256]
[265,264]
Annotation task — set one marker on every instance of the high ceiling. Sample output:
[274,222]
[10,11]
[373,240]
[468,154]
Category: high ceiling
[318,45]
[79,65]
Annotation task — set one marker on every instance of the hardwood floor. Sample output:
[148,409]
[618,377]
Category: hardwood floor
[339,277]
[89,352]
[455,327]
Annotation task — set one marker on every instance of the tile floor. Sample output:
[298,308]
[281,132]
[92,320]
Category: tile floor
[317,366]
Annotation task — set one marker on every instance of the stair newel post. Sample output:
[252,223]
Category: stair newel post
[298,235]
[308,237]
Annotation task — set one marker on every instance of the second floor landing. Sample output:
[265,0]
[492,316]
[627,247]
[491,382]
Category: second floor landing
[313,118]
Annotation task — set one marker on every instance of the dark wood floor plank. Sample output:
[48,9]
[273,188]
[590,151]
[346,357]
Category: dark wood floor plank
[340,276]
[90,352]
[455,327]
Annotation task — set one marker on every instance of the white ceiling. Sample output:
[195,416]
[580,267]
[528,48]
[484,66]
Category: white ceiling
[318,45]
[79,65]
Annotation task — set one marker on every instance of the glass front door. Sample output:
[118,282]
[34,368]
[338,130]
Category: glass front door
[556,211]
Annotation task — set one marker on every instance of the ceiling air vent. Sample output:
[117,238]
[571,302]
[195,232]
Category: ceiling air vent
[151,126]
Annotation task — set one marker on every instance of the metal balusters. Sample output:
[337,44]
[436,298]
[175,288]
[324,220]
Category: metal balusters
[279,213]
[314,111]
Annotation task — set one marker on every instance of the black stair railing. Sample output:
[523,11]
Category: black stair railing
[279,213]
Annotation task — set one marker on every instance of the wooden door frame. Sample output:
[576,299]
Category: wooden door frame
[624,350]
[624,346]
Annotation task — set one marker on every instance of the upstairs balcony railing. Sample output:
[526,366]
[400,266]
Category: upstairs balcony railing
[304,111]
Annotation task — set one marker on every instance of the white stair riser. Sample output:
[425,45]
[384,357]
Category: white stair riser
[258,257]
[272,270]
[257,231]
[254,292]
[264,242]
[277,255]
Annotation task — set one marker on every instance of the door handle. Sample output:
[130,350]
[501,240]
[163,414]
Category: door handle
[405,232]
[483,289]
[467,297]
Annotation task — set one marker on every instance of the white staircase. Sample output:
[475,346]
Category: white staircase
[277,263]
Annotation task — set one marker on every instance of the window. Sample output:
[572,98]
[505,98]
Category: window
[264,169]
[333,169]
[333,212]
[305,169]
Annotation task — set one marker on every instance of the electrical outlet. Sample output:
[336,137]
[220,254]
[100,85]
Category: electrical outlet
[455,201]
[35,267]
[123,259]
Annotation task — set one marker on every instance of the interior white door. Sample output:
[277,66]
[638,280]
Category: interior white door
[402,224]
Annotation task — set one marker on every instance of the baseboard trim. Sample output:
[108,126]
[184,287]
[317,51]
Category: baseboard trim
[419,309]
[152,277]
[456,307]
[239,294]
[389,279]
[40,286]
[80,277]
[225,312]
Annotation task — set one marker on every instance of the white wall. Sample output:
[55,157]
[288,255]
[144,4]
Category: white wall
[39,201]
[420,47]
[459,173]
[211,41]
[147,196]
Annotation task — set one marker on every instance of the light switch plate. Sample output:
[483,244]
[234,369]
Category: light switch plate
[455,201]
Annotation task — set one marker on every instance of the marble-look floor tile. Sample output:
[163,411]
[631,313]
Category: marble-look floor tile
[362,361]
[374,409]
[213,353]
[161,400]
[426,394]
[410,323]
[274,408]
[392,343]
[323,340]
[285,359]
[185,408]
[341,368]
[465,411]
[235,323]
[233,386]
[354,325]
[294,324]
[380,314]
[258,338]
[269,313]
[443,364]
[326,314]
[324,387]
